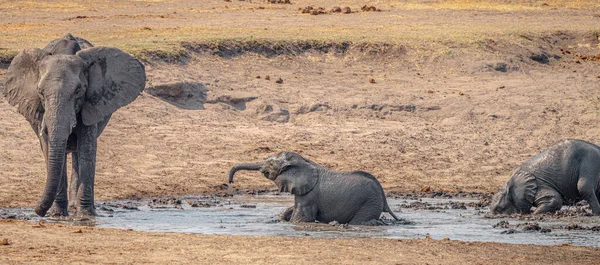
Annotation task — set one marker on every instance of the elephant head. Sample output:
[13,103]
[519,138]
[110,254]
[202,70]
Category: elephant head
[60,87]
[517,195]
[290,172]
[502,202]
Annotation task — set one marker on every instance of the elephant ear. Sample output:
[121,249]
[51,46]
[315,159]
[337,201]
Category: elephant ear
[115,79]
[298,179]
[21,86]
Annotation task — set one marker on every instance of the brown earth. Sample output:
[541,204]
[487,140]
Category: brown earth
[47,243]
[449,95]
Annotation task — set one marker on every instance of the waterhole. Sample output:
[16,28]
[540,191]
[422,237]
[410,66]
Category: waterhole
[454,219]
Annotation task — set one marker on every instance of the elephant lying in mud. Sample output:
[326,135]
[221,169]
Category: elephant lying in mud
[353,197]
[565,173]
[68,92]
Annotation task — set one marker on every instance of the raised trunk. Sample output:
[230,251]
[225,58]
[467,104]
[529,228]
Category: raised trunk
[246,166]
[55,167]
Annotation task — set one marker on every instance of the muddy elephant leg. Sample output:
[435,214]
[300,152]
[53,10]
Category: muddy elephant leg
[587,190]
[287,214]
[547,200]
[368,214]
[61,202]
[306,213]
[74,187]
[86,152]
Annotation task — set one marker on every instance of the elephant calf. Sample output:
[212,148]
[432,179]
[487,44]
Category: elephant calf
[353,197]
[565,173]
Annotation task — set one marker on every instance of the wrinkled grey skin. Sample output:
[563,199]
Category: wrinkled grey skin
[320,194]
[68,92]
[565,173]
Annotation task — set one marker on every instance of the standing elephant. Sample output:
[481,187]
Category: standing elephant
[320,194]
[567,172]
[68,92]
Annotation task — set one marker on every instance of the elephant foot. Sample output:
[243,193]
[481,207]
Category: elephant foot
[58,210]
[287,214]
[86,212]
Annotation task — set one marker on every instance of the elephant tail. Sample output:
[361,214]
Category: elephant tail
[386,208]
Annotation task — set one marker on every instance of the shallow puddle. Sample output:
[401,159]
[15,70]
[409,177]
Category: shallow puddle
[455,219]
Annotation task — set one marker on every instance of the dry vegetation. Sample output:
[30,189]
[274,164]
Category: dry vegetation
[161,26]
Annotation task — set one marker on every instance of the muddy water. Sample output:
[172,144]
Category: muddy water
[455,219]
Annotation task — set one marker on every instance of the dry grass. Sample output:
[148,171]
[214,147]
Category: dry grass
[500,5]
[143,27]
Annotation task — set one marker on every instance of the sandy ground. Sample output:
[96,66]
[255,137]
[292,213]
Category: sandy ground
[456,104]
[48,243]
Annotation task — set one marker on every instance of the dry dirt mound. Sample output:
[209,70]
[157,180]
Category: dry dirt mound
[185,95]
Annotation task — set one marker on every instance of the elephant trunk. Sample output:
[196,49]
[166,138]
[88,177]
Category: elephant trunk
[246,166]
[57,145]
[55,167]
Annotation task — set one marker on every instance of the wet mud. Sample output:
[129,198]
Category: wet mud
[444,216]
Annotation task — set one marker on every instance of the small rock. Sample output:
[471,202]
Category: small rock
[540,58]
[366,8]
[258,77]
[461,93]
[279,81]
[248,206]
[508,232]
[267,77]
[501,224]
[336,9]
[372,80]
[501,87]
[4,242]
[346,10]
[78,231]
[334,223]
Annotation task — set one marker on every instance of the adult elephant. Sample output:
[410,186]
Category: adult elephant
[354,197]
[565,173]
[68,92]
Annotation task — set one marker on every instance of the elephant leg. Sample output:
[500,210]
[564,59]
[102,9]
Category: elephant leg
[287,214]
[547,200]
[587,190]
[306,213]
[368,214]
[74,187]
[59,208]
[86,152]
